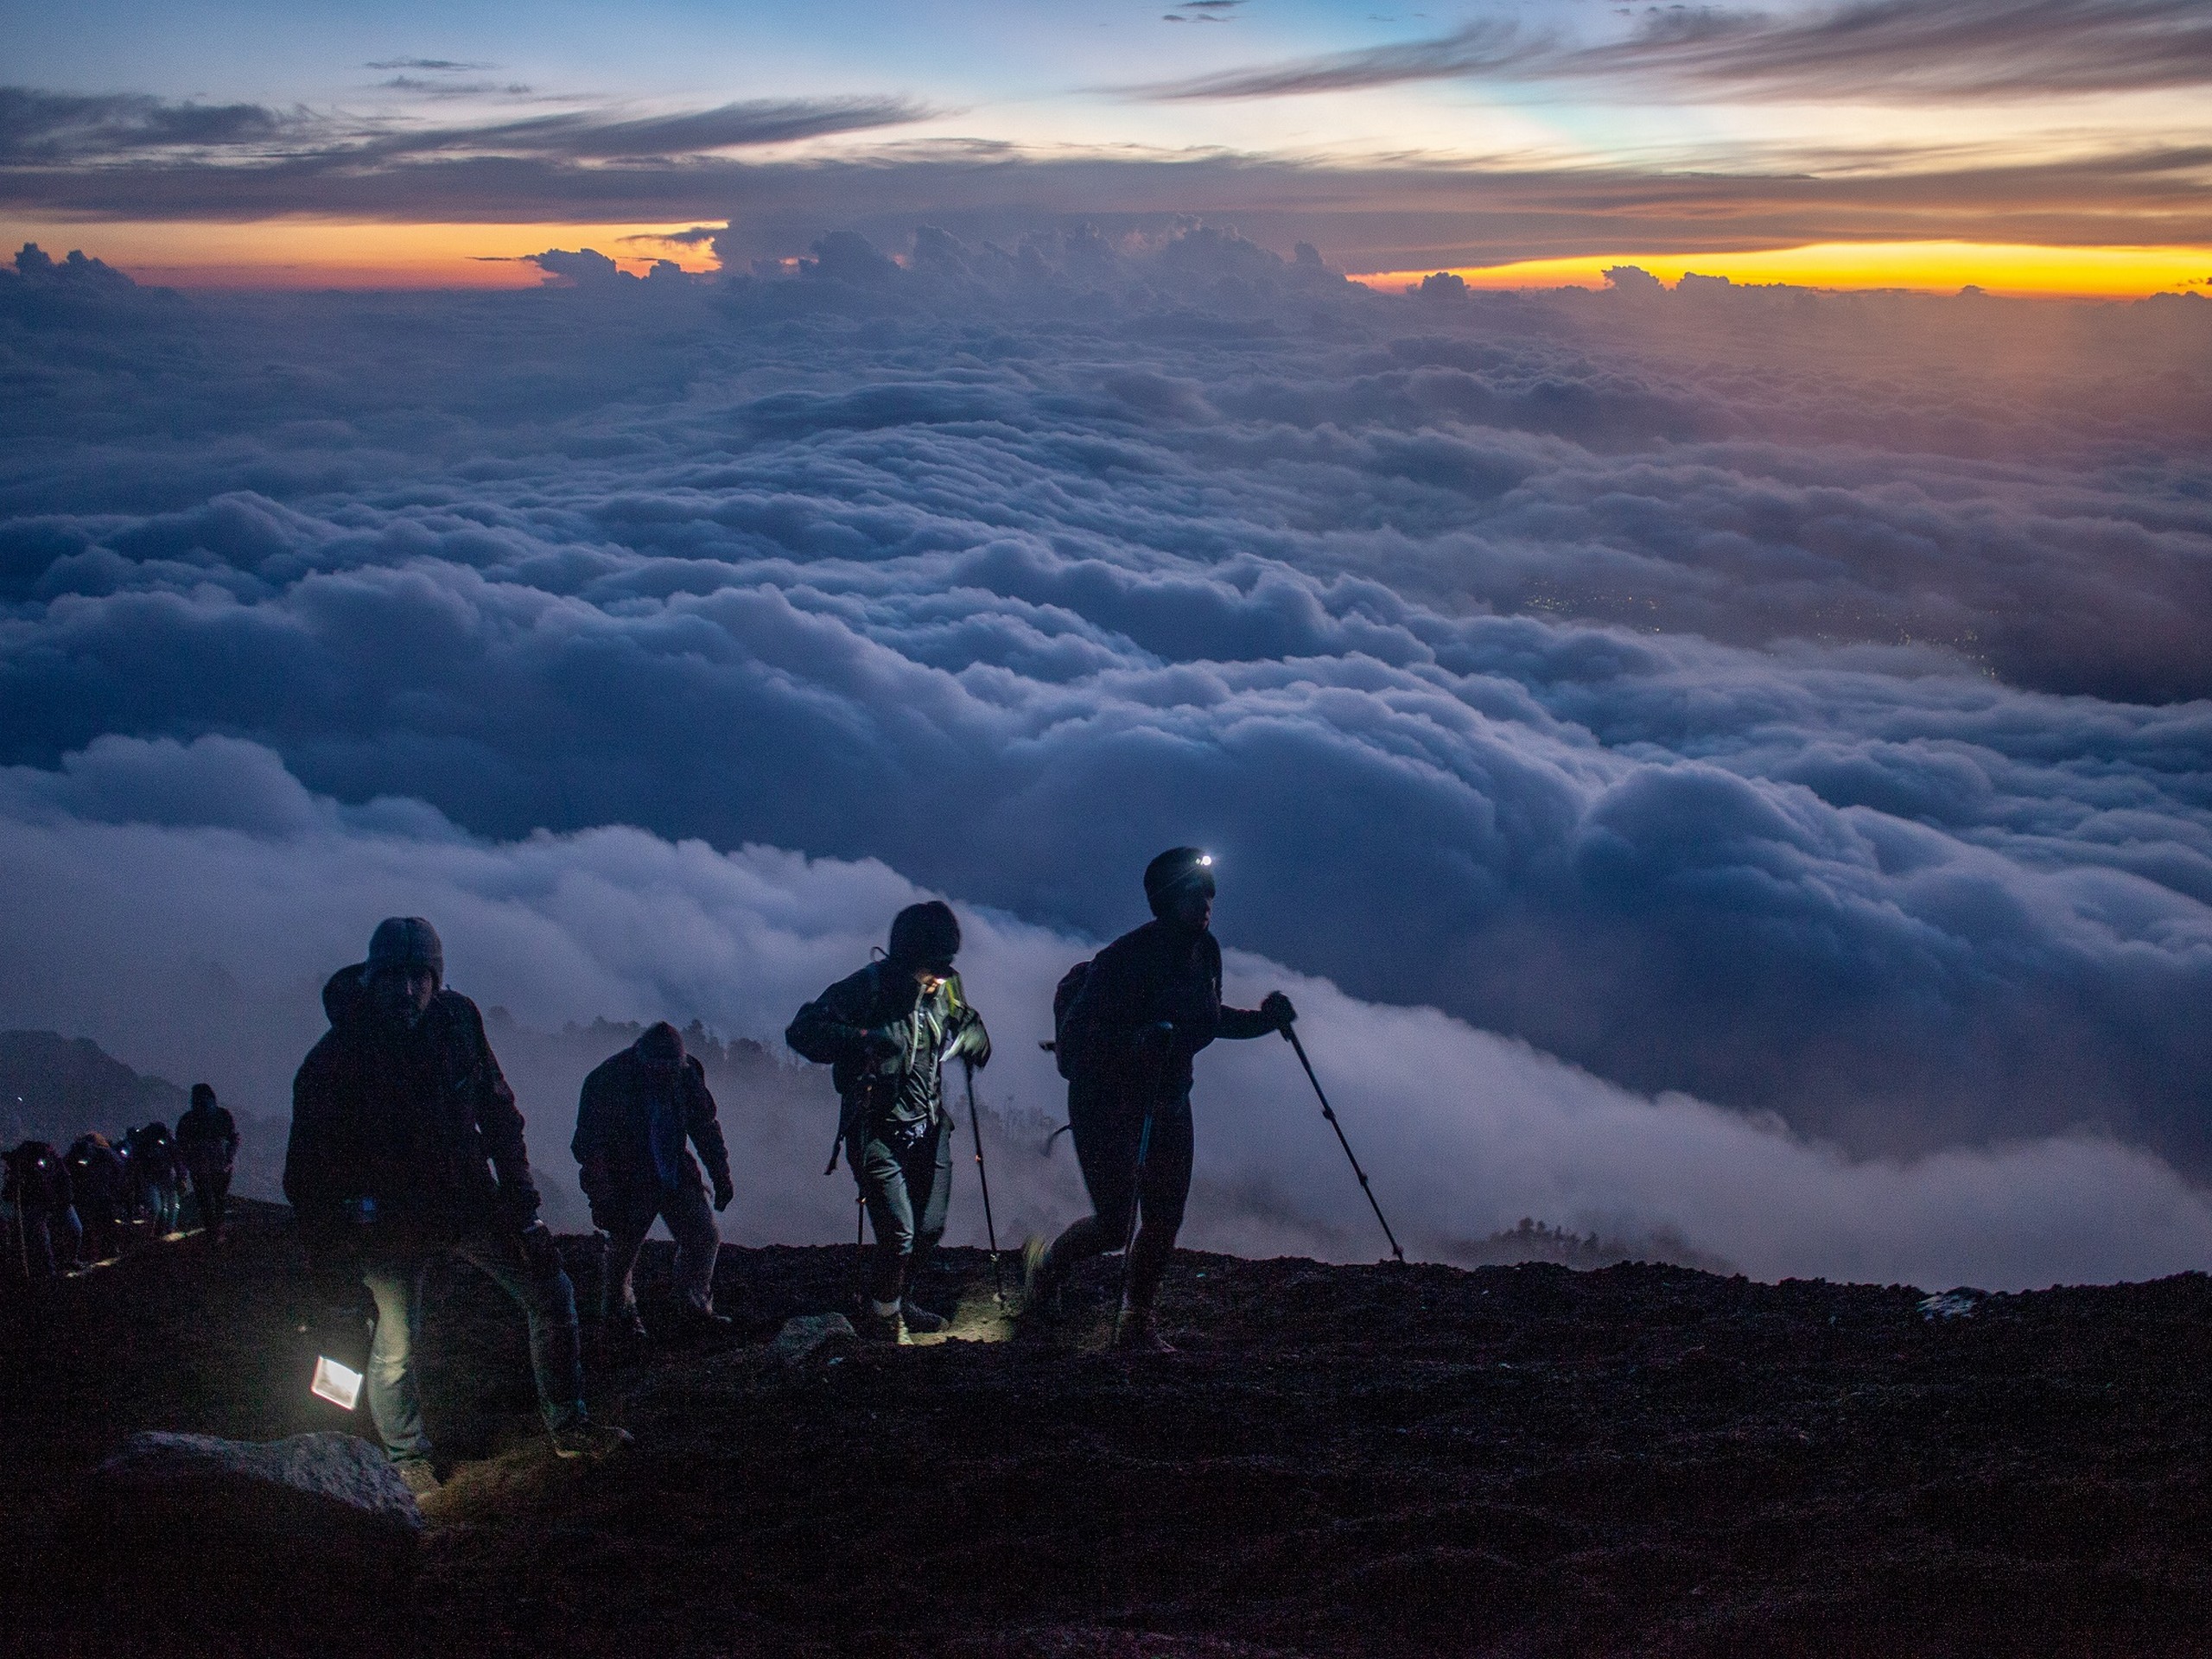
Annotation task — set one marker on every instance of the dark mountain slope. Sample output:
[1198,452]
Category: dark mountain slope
[1511,1461]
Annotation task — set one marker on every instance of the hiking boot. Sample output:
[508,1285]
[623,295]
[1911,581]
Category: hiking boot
[880,1327]
[589,1439]
[1040,1286]
[1137,1332]
[919,1320]
[416,1475]
[626,1330]
[703,1325]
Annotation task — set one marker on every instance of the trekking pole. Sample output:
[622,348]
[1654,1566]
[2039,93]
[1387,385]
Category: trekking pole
[859,1245]
[1291,1037]
[983,1179]
[1136,1198]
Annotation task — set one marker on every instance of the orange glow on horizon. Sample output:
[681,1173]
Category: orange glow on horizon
[320,254]
[317,254]
[2007,268]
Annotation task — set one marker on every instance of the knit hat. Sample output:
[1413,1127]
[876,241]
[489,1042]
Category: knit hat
[407,942]
[926,935]
[1173,870]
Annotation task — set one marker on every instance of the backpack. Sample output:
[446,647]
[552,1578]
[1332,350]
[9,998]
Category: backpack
[1064,996]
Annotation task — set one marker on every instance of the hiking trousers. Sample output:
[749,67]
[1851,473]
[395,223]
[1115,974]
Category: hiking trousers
[1107,1129]
[691,1220]
[906,1180]
[533,1279]
[211,1190]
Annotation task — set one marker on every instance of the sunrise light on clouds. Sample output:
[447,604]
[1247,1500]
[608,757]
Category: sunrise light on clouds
[2026,146]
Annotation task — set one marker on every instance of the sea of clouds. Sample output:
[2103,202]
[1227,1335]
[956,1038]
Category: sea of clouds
[1726,767]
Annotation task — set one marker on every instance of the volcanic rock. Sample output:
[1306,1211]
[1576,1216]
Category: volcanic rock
[806,1335]
[336,1489]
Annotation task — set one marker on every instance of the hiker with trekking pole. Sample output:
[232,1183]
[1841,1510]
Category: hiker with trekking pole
[1126,1025]
[887,1032]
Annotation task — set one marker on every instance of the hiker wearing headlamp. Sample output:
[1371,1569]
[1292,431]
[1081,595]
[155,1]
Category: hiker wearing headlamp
[888,1031]
[1127,1025]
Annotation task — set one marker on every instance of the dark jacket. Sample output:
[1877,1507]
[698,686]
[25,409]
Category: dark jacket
[632,1125]
[98,1175]
[1152,976]
[153,1159]
[208,1140]
[38,1182]
[414,1118]
[886,1043]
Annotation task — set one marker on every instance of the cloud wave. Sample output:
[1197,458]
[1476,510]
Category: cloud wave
[182,904]
[1796,703]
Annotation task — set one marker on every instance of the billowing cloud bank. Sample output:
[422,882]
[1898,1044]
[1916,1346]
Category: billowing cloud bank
[195,937]
[1794,702]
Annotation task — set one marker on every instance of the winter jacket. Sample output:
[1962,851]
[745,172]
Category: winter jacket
[632,1124]
[208,1140]
[38,1182]
[414,1118]
[1152,976]
[887,1043]
[153,1163]
[98,1175]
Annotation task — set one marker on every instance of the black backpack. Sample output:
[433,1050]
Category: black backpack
[1064,996]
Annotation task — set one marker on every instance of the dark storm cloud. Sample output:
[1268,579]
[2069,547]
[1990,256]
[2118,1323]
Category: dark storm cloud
[1795,701]
[1887,50]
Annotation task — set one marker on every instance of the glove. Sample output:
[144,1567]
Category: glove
[879,1045]
[517,1204]
[724,1191]
[1277,1007]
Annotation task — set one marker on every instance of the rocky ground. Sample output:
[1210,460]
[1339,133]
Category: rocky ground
[1511,1461]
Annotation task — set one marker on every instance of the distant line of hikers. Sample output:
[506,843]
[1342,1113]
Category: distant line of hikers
[74,1209]
[407,1146]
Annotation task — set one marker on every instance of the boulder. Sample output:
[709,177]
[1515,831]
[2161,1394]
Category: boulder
[807,1337]
[309,1491]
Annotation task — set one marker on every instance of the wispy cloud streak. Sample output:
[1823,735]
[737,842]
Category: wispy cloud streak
[1872,52]
[128,133]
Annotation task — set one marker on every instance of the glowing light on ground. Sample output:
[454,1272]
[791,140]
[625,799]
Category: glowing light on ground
[1936,267]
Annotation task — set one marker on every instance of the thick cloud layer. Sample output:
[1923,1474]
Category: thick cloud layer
[1795,703]
[192,939]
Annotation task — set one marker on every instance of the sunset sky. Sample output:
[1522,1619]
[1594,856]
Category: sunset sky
[2026,146]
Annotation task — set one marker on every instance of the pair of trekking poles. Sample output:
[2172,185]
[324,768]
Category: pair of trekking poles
[1136,1178]
[983,1177]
